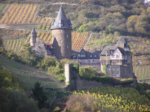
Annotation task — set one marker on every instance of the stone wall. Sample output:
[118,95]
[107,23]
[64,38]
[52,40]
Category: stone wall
[62,43]
[84,84]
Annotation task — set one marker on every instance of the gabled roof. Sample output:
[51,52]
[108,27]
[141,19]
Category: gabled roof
[33,31]
[121,50]
[106,48]
[89,55]
[121,40]
[61,19]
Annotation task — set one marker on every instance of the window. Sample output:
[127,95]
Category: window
[112,69]
[60,41]
[53,36]
[117,75]
[112,74]
[67,46]
[67,36]
[82,55]
[54,47]
[74,56]
[90,55]
[108,69]
[95,56]
[60,30]
[60,25]
[117,69]
[117,56]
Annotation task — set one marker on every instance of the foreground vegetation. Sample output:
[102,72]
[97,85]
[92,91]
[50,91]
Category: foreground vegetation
[12,97]
[108,99]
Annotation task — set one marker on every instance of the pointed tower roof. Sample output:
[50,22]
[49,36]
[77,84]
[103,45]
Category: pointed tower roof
[61,21]
[121,41]
[33,30]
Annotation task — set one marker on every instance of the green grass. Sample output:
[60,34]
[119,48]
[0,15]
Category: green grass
[142,72]
[2,8]
[29,75]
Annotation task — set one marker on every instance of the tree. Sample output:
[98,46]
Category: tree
[39,94]
[48,61]
[83,28]
[18,102]
[27,55]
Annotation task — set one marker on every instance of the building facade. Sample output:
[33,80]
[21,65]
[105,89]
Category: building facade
[117,60]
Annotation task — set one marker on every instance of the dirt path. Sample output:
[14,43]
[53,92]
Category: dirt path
[4,26]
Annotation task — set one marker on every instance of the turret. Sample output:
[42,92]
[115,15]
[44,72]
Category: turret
[61,33]
[33,38]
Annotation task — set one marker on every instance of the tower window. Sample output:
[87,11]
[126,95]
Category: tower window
[60,25]
[60,41]
[60,30]
[67,36]
[67,46]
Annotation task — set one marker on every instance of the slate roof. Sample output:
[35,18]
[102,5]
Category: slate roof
[61,19]
[106,48]
[121,50]
[33,31]
[121,40]
[88,54]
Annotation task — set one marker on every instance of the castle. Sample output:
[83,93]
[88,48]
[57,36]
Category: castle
[117,59]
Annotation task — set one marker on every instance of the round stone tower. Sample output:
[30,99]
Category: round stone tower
[61,33]
[33,38]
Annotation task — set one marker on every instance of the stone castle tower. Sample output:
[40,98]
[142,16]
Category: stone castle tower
[61,33]
[33,38]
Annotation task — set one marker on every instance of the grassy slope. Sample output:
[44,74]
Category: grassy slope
[29,75]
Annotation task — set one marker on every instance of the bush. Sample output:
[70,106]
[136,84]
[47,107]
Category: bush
[18,102]
[47,62]
[78,103]
[87,72]
[75,67]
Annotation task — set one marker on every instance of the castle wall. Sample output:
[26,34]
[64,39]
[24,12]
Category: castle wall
[67,73]
[62,43]
[84,84]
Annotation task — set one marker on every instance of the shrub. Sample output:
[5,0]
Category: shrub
[75,67]
[47,62]
[78,103]
[87,72]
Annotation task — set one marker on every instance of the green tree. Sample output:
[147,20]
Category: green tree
[39,94]
[83,28]
[48,61]
[18,102]
[27,55]
[87,72]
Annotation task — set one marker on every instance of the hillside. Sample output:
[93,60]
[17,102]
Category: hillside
[104,22]
[29,75]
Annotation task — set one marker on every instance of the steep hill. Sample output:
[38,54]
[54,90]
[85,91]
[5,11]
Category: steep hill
[29,75]
[104,20]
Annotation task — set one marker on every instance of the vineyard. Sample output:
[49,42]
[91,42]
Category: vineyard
[142,72]
[45,26]
[14,45]
[115,99]
[78,40]
[23,14]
